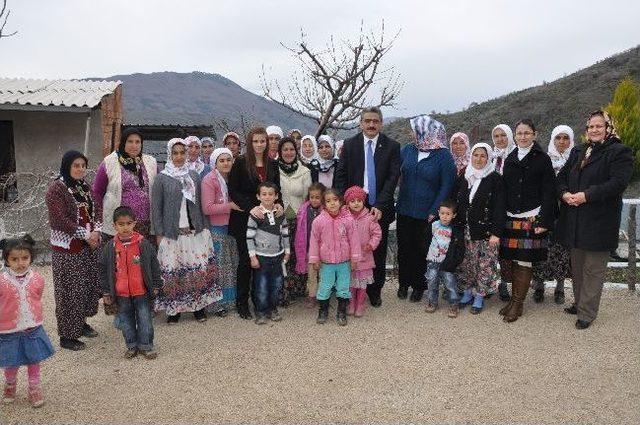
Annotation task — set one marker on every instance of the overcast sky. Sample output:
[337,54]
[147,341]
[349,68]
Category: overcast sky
[449,53]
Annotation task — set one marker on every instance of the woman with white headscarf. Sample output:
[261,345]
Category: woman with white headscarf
[503,145]
[327,160]
[309,156]
[217,206]
[185,249]
[427,177]
[479,194]
[195,162]
[459,147]
[558,264]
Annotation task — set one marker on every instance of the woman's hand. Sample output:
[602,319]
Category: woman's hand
[255,264]
[376,213]
[286,258]
[579,198]
[279,210]
[539,230]
[234,207]
[94,240]
[567,197]
[159,239]
[494,241]
[257,212]
[430,218]
[106,299]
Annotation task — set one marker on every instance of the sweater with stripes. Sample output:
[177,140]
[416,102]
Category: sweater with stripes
[269,236]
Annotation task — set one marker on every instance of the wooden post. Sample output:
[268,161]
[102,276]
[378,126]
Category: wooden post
[631,230]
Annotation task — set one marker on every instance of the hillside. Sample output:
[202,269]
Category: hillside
[567,100]
[198,98]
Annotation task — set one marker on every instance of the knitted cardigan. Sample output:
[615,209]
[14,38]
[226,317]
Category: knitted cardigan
[64,218]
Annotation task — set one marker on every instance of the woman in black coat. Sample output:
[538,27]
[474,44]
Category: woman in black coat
[479,194]
[530,196]
[590,186]
[248,171]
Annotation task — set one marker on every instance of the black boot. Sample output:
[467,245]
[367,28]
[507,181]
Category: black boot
[88,331]
[403,292]
[72,344]
[243,311]
[323,312]
[416,295]
[538,295]
[341,316]
[503,291]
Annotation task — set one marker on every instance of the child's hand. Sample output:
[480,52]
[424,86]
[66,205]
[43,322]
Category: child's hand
[354,265]
[286,258]
[107,300]
[156,291]
[159,239]
[255,264]
[316,266]
[367,248]
[494,241]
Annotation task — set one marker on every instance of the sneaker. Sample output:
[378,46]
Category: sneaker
[453,312]
[9,394]
[275,316]
[149,354]
[88,331]
[130,353]
[431,308]
[261,320]
[36,398]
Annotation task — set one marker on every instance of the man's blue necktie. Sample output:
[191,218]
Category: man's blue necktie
[371,174]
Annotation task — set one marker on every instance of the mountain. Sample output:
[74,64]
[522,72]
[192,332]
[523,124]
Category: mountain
[568,100]
[198,98]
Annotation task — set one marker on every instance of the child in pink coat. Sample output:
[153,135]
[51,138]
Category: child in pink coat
[334,249]
[370,233]
[23,341]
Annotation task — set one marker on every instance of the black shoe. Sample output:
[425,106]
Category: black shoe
[416,295]
[538,296]
[375,301]
[244,312]
[223,312]
[72,344]
[488,297]
[582,324]
[341,315]
[173,318]
[88,331]
[476,310]
[323,312]
[503,292]
[403,292]
[200,315]
[571,310]
[558,297]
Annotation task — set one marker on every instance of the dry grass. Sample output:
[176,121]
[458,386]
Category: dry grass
[395,365]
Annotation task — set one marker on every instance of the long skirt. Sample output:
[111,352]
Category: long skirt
[556,267]
[519,242]
[479,269]
[226,262]
[295,285]
[188,269]
[76,278]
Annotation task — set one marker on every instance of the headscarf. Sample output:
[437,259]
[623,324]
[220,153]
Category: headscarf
[180,173]
[294,130]
[501,154]
[610,132]
[355,192]
[326,164]
[304,159]
[213,159]
[339,145]
[78,188]
[212,142]
[429,133]
[473,175]
[559,159]
[197,165]
[274,129]
[463,160]
[287,168]
[234,135]
[128,163]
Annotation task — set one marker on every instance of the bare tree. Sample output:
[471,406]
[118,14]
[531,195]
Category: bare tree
[4,15]
[332,85]
[244,121]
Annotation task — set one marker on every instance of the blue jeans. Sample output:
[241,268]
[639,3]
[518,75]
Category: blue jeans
[136,321]
[433,277]
[338,275]
[267,283]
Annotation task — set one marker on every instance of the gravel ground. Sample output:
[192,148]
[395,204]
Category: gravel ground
[395,365]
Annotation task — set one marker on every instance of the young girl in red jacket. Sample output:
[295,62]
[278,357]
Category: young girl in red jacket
[23,340]
[334,249]
[369,233]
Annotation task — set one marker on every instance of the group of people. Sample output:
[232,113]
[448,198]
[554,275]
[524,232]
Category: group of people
[295,218]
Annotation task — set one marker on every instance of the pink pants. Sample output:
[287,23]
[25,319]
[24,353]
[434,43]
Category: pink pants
[33,373]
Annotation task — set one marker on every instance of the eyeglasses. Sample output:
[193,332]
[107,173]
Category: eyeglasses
[524,133]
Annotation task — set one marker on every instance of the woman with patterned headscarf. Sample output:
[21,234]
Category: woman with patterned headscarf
[590,185]
[557,266]
[327,160]
[427,176]
[125,177]
[194,160]
[460,150]
[185,248]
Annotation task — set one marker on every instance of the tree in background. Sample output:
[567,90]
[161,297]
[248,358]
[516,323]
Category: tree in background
[625,111]
[4,15]
[332,85]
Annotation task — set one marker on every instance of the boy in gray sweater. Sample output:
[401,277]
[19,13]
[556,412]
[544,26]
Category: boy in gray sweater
[268,246]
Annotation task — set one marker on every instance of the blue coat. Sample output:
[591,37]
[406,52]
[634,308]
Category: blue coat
[425,184]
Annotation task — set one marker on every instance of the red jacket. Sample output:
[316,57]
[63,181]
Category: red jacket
[17,293]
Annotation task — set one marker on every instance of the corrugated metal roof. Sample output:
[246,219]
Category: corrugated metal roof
[66,93]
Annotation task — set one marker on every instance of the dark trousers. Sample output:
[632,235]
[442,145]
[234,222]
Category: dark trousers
[267,283]
[136,322]
[244,269]
[414,236]
[380,259]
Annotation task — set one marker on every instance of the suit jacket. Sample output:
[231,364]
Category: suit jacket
[350,171]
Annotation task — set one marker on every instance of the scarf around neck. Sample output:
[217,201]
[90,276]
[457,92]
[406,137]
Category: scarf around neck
[180,173]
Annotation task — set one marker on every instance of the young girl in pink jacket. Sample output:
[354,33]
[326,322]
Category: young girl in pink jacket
[23,340]
[369,233]
[334,249]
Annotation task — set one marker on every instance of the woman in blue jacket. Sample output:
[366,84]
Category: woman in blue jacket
[427,176]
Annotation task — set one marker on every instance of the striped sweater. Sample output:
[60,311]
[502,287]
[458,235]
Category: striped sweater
[267,237]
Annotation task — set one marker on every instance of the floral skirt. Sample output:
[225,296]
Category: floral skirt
[361,278]
[226,262]
[556,267]
[479,269]
[188,269]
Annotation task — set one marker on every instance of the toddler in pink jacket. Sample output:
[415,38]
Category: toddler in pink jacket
[369,233]
[334,249]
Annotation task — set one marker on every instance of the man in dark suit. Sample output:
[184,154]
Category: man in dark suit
[371,160]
